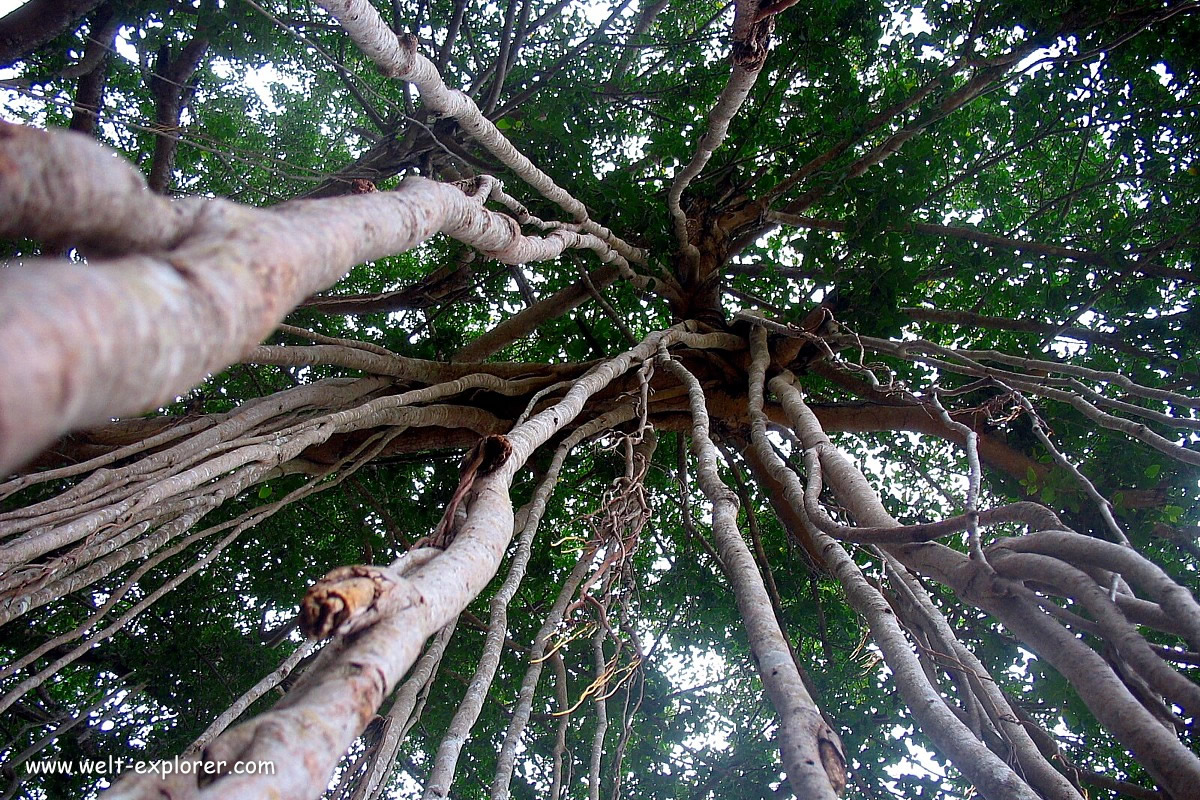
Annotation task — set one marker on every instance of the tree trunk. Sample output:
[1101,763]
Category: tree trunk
[36,22]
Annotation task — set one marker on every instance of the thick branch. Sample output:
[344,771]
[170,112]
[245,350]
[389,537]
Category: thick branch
[398,58]
[34,23]
[320,718]
[169,85]
[989,774]
[92,71]
[116,337]
[527,320]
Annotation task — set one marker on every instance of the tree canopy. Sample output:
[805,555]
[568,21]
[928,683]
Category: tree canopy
[554,399]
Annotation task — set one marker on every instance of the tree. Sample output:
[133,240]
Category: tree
[858,455]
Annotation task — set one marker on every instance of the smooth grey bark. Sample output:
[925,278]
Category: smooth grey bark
[203,280]
[994,778]
[1160,751]
[407,602]
[804,734]
[441,773]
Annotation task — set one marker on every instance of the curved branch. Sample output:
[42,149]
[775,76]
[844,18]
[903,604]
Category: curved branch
[398,58]
[984,769]
[1078,549]
[750,40]
[87,342]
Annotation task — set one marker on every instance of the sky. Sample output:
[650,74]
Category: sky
[8,5]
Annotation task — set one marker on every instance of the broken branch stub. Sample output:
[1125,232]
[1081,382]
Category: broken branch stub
[351,598]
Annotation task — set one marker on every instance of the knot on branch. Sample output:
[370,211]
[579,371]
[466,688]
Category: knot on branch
[749,51]
[408,56]
[796,345]
[351,598]
[977,580]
